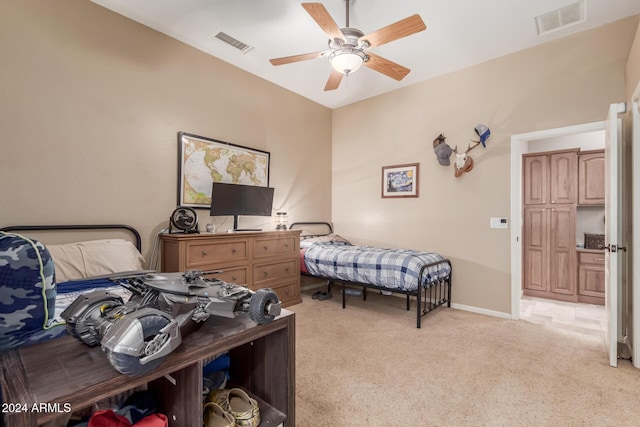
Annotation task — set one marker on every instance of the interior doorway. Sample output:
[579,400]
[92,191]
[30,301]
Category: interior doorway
[580,319]
[546,140]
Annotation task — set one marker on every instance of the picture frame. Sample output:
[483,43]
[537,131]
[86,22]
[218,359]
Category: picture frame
[400,180]
[203,161]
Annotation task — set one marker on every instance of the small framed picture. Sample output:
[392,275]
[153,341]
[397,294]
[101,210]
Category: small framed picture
[400,180]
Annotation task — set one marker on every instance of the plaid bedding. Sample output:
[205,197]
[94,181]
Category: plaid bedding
[386,268]
[69,291]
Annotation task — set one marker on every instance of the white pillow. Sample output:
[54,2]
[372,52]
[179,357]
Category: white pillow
[67,262]
[93,258]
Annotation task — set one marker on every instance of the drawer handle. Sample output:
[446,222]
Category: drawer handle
[286,269]
[266,273]
[204,253]
[234,278]
[266,248]
[233,250]
[287,292]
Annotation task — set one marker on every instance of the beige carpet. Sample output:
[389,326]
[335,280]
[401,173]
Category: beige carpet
[369,365]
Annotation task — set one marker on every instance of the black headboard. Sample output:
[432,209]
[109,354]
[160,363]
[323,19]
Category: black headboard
[128,228]
[312,229]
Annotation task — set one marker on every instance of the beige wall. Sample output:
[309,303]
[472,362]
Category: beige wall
[566,82]
[90,107]
[633,68]
[91,104]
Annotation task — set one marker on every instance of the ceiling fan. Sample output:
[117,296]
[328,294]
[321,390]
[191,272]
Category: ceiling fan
[349,47]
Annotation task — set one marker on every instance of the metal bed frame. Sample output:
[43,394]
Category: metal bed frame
[128,228]
[435,293]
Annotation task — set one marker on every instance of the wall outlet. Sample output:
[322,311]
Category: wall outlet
[498,223]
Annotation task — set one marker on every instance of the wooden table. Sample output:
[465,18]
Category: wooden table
[41,382]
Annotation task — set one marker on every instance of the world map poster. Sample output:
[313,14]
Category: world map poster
[204,161]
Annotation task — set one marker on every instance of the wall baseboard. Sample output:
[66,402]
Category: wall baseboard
[478,310]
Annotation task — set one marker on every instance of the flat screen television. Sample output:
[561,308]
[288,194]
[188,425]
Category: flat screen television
[238,199]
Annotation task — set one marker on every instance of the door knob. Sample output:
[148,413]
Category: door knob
[614,248]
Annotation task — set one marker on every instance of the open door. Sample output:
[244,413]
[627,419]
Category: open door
[613,209]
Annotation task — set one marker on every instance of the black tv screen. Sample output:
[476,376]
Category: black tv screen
[238,199]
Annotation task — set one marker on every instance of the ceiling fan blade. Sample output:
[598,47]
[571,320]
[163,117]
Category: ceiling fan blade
[295,58]
[324,20]
[386,67]
[334,80]
[398,30]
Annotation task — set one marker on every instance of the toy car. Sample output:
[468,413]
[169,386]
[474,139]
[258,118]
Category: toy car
[137,335]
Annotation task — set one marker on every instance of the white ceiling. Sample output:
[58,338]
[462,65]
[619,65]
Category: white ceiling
[459,34]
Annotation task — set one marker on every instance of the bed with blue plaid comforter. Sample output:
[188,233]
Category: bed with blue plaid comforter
[392,269]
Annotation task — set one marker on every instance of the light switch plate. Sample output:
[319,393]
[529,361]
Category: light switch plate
[498,222]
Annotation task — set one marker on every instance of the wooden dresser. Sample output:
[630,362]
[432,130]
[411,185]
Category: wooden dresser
[265,259]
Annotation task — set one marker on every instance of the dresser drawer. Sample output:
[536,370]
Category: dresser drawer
[590,258]
[269,259]
[287,293]
[267,247]
[233,275]
[200,254]
[267,272]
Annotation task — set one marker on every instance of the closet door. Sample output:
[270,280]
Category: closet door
[535,254]
[536,179]
[563,172]
[562,250]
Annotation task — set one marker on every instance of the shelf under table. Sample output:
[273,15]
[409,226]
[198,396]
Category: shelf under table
[67,372]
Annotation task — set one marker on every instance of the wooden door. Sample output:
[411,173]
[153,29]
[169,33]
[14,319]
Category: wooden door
[563,181]
[562,250]
[535,253]
[536,180]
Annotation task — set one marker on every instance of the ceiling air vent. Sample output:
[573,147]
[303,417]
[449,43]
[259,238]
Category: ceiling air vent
[561,18]
[244,48]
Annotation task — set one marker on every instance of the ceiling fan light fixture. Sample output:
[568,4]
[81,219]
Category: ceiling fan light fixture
[349,47]
[347,60]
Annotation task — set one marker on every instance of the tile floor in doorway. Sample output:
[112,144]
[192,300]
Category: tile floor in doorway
[583,319]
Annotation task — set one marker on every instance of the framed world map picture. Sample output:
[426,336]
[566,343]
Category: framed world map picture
[202,161]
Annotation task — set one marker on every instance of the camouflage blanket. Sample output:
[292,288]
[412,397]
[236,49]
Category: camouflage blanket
[27,292]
